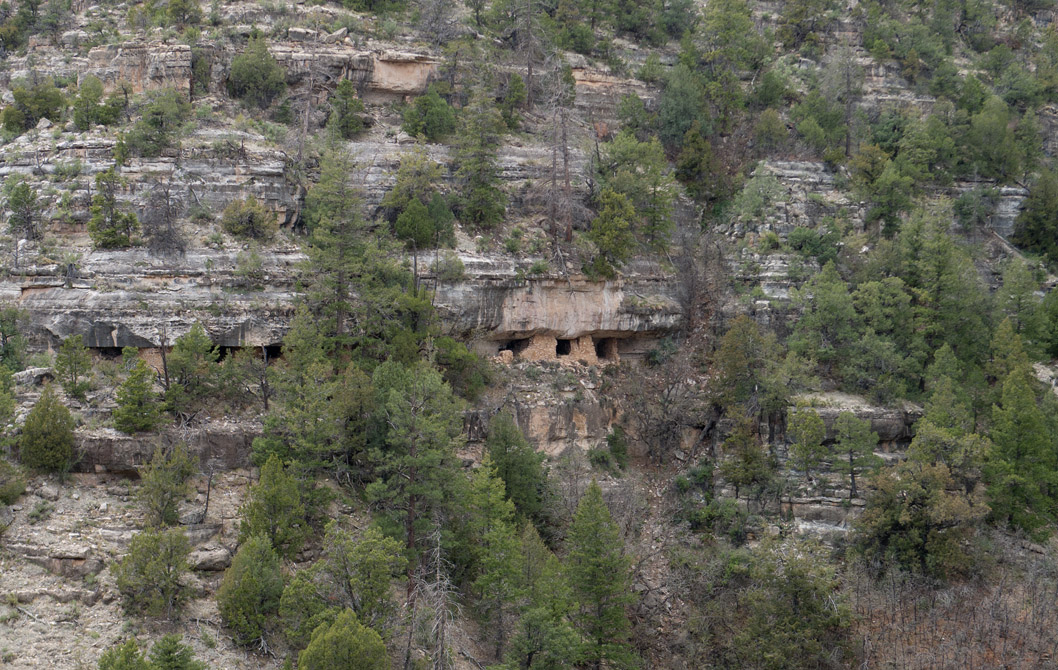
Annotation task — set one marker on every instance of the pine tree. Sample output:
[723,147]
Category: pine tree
[600,576]
[192,369]
[854,447]
[170,653]
[138,407]
[544,638]
[1035,228]
[255,75]
[415,226]
[21,201]
[640,171]
[249,594]
[164,482]
[346,109]
[1021,472]
[423,424]
[73,365]
[807,429]
[47,436]
[611,231]
[110,227]
[519,466]
[429,117]
[274,508]
[747,463]
[497,557]
[482,203]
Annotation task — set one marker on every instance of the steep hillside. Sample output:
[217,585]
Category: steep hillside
[528,334]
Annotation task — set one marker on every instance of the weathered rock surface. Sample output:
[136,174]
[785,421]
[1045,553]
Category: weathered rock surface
[225,446]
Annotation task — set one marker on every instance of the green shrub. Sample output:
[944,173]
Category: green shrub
[153,133]
[274,509]
[344,645]
[255,76]
[250,591]
[73,366]
[89,108]
[164,482]
[249,218]
[47,436]
[429,116]
[32,103]
[12,483]
[110,226]
[346,109]
[138,407]
[150,577]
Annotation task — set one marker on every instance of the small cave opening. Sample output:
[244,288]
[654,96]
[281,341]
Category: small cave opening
[268,352]
[108,353]
[515,346]
[563,347]
[606,348]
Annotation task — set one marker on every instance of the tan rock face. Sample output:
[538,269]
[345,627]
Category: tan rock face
[145,66]
[397,73]
[514,314]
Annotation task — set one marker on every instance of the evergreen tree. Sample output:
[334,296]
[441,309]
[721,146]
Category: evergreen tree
[417,179]
[363,569]
[611,231]
[682,107]
[248,598]
[429,116]
[639,170]
[164,482]
[1021,471]
[320,422]
[747,464]
[544,638]
[150,576]
[519,466]
[415,464]
[1036,227]
[21,200]
[699,169]
[600,576]
[170,653]
[275,509]
[1017,301]
[47,440]
[829,325]
[482,203]
[497,559]
[125,656]
[854,447]
[807,429]
[73,365]
[110,227]
[249,218]
[415,226]
[137,408]
[344,645]
[192,369]
[916,518]
[255,76]
[346,109]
